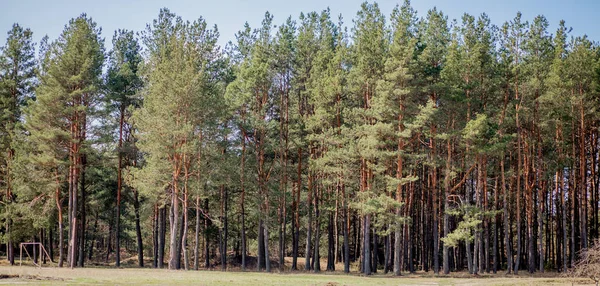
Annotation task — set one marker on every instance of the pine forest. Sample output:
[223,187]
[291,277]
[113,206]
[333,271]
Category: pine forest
[374,143]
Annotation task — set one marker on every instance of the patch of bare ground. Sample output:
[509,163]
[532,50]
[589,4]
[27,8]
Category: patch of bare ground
[109,275]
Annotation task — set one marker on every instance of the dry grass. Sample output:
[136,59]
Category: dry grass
[111,276]
[588,265]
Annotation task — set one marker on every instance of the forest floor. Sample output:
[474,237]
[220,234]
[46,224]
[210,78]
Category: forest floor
[11,275]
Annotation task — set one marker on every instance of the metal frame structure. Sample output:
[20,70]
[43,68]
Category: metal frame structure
[42,251]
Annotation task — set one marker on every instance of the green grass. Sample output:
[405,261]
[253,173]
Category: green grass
[129,276]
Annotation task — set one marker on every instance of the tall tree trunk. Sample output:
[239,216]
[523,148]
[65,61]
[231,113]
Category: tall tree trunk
[73,223]
[267,257]
[44,244]
[206,240]
[496,223]
[197,236]
[284,163]
[260,259]
[316,262]
[174,226]
[573,194]
[505,198]
[138,228]
[367,245]
[399,175]
[162,229]
[226,234]
[185,223]
[243,196]
[409,230]
[109,241]
[331,243]
[73,202]
[308,222]
[374,252]
[387,252]
[119,188]
[222,238]
[346,226]
[82,236]
[565,228]
[10,249]
[445,250]
[155,237]
[296,236]
[60,220]
[484,245]
[518,207]
[51,242]
[582,172]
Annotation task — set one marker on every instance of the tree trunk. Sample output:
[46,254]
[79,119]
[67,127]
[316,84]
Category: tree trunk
[486,222]
[260,259]
[331,244]
[518,209]
[496,223]
[346,240]
[243,198]
[174,228]
[387,253]
[155,233]
[197,236]
[564,222]
[445,249]
[206,240]
[184,225]
[367,245]
[308,224]
[266,241]
[119,189]
[73,203]
[374,251]
[507,241]
[222,238]
[138,228]
[582,172]
[296,240]
[162,229]
[109,241]
[316,262]
[573,193]
[60,221]
[51,242]
[82,236]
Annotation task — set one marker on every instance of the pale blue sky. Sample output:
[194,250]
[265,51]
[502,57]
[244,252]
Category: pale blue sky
[49,17]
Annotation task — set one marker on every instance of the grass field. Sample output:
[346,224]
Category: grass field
[11,275]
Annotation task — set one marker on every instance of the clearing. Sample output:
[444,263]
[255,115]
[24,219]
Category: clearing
[60,276]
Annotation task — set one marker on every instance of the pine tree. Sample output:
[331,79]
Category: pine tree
[368,55]
[435,37]
[284,49]
[396,91]
[513,40]
[181,88]
[306,50]
[538,49]
[17,73]
[554,103]
[238,53]
[580,68]
[68,90]
[123,83]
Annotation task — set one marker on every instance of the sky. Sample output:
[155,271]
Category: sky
[45,17]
